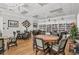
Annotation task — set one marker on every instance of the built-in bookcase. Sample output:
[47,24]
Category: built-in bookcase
[55,27]
[49,28]
[59,24]
[68,27]
[42,27]
[62,27]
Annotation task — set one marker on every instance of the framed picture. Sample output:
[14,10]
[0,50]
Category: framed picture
[26,23]
[13,23]
[35,25]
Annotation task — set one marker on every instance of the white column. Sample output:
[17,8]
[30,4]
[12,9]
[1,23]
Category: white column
[78,21]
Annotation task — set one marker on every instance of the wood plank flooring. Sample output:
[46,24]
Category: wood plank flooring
[25,48]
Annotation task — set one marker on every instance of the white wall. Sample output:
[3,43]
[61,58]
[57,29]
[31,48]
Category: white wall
[66,19]
[59,20]
[78,21]
[8,31]
[1,24]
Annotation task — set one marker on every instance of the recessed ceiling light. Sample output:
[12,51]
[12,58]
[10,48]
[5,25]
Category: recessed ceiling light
[42,4]
[12,5]
[10,9]
[36,16]
[25,5]
[56,10]
[24,12]
[2,7]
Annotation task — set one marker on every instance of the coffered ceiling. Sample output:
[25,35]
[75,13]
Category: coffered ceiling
[40,10]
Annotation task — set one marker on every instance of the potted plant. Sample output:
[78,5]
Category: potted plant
[73,32]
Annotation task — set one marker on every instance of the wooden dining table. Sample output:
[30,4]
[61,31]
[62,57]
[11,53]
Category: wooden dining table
[48,38]
[51,39]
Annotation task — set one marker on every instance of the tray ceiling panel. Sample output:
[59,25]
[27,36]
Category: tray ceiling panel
[40,10]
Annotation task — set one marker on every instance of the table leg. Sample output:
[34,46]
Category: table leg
[50,50]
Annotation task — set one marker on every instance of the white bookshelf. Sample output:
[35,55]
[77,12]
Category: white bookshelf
[42,27]
[55,27]
[62,27]
[60,24]
[49,28]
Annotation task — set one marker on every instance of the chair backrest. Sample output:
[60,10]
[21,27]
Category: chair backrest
[1,43]
[62,44]
[64,36]
[18,32]
[14,33]
[68,35]
[39,43]
[60,37]
[13,38]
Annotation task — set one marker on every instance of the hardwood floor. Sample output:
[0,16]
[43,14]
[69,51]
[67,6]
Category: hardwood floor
[25,48]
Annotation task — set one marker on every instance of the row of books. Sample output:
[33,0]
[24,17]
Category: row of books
[55,27]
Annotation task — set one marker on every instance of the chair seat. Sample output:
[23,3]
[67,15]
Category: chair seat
[12,39]
[12,42]
[1,49]
[45,47]
[55,47]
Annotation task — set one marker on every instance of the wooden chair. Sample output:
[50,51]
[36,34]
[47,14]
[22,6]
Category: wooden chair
[26,35]
[62,35]
[40,45]
[1,46]
[34,43]
[60,48]
[12,41]
[76,49]
[19,35]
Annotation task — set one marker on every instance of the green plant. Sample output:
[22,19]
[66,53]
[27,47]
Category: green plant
[74,31]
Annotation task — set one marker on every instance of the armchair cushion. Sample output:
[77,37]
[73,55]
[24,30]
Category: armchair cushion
[0,43]
[1,49]
[45,47]
[55,47]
